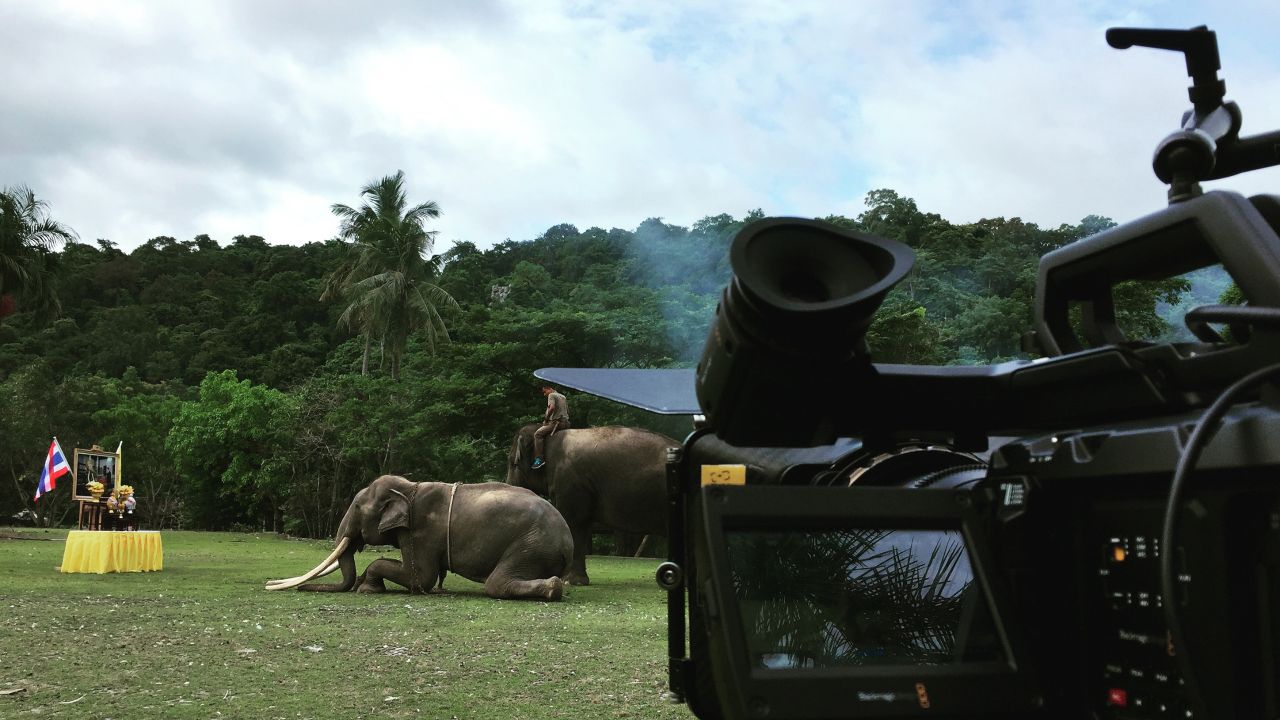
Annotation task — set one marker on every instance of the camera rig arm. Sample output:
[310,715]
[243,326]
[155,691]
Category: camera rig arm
[1209,146]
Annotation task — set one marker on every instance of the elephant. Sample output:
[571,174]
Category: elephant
[506,537]
[603,477]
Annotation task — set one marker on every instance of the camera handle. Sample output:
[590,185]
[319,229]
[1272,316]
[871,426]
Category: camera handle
[1209,146]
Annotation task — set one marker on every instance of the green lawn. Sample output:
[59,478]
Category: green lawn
[202,639]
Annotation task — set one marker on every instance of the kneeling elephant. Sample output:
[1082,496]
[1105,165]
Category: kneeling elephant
[506,537]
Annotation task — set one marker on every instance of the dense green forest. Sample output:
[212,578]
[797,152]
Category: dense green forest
[258,386]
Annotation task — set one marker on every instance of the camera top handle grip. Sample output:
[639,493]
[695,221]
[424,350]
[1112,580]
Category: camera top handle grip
[1199,45]
[1209,146]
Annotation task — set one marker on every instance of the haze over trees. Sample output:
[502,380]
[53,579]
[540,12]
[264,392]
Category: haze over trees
[245,400]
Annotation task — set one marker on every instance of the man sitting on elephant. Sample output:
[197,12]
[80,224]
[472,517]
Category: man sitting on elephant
[556,417]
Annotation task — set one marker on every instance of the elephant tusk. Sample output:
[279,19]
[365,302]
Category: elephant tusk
[315,572]
[324,568]
[327,571]
[332,566]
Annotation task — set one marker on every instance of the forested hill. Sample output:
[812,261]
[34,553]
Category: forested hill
[240,399]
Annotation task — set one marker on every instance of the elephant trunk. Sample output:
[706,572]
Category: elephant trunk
[347,562]
[343,557]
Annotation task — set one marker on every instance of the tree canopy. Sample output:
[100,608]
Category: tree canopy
[244,400]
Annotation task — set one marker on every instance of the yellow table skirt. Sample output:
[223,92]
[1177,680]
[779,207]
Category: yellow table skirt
[97,551]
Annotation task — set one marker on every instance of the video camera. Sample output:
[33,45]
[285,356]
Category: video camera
[1091,534]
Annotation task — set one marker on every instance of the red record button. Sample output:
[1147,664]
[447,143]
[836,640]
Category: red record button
[1117,697]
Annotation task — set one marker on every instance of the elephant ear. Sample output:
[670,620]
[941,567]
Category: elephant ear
[395,513]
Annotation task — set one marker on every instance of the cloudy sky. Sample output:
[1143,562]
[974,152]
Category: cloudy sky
[227,117]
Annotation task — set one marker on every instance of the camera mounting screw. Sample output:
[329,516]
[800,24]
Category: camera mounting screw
[670,576]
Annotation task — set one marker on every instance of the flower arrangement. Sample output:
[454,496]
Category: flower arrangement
[95,487]
[126,490]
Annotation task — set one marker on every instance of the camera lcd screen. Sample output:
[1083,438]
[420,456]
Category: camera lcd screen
[859,597]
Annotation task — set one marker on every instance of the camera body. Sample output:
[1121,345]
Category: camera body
[1091,534]
[1057,608]
[914,572]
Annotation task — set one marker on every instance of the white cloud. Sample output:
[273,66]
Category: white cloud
[245,117]
[1049,124]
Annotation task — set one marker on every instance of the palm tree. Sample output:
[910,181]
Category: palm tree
[386,278]
[28,238]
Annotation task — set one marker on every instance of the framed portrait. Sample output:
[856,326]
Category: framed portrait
[95,464]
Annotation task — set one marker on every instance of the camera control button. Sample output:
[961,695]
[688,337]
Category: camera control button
[1117,697]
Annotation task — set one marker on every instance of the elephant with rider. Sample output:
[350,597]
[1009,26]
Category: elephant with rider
[602,477]
[506,537]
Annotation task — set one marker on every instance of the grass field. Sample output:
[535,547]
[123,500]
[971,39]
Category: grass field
[202,639]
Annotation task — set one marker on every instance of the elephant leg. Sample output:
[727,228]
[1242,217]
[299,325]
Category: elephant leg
[577,572]
[371,580]
[501,585]
[577,510]
[395,571]
[644,543]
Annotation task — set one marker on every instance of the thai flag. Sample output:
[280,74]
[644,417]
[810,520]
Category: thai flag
[55,466]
